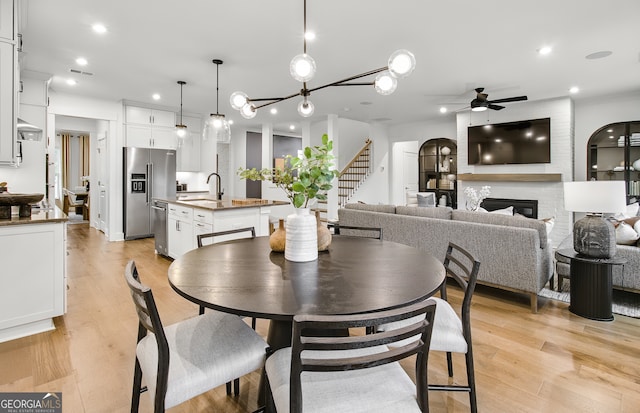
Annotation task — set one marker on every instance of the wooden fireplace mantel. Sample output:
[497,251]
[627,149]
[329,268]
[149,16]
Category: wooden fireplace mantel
[511,177]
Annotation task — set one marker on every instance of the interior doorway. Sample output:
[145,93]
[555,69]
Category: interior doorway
[80,172]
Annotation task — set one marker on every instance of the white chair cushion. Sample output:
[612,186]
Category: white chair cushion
[447,329]
[381,389]
[205,352]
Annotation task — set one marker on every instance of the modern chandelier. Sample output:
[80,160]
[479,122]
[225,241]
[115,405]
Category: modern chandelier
[217,125]
[302,68]
[181,128]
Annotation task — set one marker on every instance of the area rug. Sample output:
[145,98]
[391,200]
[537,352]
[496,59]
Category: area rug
[624,302]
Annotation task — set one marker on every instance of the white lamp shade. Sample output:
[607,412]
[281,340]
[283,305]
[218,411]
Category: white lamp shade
[595,196]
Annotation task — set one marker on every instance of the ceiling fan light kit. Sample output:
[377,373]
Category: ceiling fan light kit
[480,103]
[302,68]
[217,125]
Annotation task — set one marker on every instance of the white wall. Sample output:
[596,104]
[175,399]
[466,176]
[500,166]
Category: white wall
[423,131]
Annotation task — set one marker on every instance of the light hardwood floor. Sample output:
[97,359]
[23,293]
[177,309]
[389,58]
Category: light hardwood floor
[552,361]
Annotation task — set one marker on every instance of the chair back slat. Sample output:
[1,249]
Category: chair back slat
[201,237]
[305,337]
[357,231]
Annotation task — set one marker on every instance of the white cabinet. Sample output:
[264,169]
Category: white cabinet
[188,154]
[33,290]
[150,117]
[150,128]
[202,222]
[8,82]
[180,230]
[6,19]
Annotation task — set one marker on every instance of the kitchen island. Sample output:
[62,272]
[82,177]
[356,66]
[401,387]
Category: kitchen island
[33,276]
[199,213]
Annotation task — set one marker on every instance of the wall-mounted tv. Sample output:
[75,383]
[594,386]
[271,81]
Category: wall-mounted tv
[521,142]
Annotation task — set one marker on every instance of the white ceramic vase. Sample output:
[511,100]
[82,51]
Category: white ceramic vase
[302,236]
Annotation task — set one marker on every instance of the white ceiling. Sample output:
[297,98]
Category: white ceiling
[458,44]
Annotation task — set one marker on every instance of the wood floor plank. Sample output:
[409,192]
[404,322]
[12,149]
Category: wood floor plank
[552,361]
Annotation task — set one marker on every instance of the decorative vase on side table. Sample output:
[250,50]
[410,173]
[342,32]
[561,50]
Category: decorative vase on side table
[302,236]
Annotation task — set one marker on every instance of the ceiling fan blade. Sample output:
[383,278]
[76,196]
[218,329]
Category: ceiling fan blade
[495,107]
[512,99]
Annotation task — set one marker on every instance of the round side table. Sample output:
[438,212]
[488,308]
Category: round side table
[591,285]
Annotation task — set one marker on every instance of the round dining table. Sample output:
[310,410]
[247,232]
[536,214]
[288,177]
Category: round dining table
[356,275]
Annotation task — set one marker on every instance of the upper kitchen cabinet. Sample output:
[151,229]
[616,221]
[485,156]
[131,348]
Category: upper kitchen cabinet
[188,155]
[150,128]
[8,83]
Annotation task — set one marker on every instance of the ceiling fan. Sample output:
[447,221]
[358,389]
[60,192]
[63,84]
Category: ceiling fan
[481,103]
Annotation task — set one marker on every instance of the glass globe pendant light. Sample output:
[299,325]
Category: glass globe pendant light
[217,125]
[181,128]
[385,84]
[305,108]
[401,63]
[302,67]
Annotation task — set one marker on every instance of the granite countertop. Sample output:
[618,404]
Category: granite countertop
[204,200]
[52,215]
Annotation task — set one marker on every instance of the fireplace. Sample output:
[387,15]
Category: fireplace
[526,207]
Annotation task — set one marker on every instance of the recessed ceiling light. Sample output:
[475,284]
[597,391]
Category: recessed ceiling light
[99,28]
[443,110]
[309,35]
[230,121]
[292,127]
[274,111]
[544,50]
[599,55]
[82,61]
[574,89]
[156,96]
[71,82]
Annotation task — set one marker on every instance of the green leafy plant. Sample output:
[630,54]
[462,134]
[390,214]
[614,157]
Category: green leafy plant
[302,178]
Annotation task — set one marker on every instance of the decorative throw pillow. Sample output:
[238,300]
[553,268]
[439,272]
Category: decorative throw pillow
[426,200]
[503,211]
[632,221]
[625,234]
[549,223]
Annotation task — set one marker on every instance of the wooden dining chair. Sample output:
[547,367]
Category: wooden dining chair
[354,373]
[358,231]
[452,334]
[190,357]
[202,237]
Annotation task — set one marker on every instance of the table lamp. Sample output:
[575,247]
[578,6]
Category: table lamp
[594,236]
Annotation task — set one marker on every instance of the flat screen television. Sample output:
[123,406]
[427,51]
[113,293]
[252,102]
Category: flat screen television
[521,142]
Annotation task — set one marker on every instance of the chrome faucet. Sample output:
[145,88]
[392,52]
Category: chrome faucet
[219,192]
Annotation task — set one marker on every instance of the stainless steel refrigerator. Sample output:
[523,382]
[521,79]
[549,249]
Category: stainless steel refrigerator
[148,174]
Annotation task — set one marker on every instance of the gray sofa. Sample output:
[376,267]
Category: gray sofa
[624,277]
[513,251]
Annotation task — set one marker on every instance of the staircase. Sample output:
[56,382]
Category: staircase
[350,179]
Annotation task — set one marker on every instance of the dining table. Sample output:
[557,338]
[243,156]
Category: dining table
[355,275]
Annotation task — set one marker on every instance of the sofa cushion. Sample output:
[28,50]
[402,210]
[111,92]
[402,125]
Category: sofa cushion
[427,200]
[498,219]
[388,209]
[439,212]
